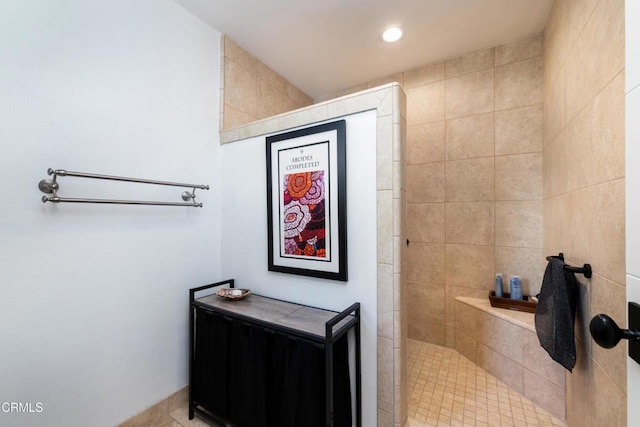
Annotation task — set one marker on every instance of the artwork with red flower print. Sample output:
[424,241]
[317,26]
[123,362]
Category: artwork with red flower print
[303,220]
[306,203]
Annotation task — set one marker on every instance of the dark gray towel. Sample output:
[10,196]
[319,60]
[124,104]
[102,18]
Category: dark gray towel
[555,313]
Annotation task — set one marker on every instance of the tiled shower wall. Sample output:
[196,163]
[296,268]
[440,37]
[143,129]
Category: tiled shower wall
[584,167]
[252,91]
[474,179]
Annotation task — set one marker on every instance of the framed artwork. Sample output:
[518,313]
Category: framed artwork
[306,201]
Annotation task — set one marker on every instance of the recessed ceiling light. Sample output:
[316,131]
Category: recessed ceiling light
[392,34]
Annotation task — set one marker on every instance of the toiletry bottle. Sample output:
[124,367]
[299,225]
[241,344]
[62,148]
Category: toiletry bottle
[515,288]
[499,285]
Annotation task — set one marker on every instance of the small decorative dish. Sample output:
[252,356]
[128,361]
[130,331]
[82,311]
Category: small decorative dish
[233,294]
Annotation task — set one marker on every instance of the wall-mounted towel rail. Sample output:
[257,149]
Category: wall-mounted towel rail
[51,187]
[585,269]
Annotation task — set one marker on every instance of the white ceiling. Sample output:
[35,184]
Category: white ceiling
[324,46]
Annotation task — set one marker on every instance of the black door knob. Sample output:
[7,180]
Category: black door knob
[607,334]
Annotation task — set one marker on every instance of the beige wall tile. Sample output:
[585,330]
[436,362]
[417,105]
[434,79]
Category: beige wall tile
[583,317]
[610,298]
[270,101]
[610,401]
[385,374]
[469,223]
[385,418]
[500,367]
[528,263]
[470,94]
[469,266]
[425,103]
[553,44]
[290,104]
[427,74]
[500,335]
[470,137]
[234,117]
[240,56]
[583,128]
[425,303]
[270,77]
[599,209]
[518,50]
[519,84]
[385,296]
[580,400]
[251,90]
[519,224]
[593,142]
[425,183]
[603,33]
[595,139]
[425,143]
[300,98]
[519,177]
[426,262]
[425,222]
[385,130]
[554,220]
[556,166]
[240,89]
[450,337]
[384,219]
[555,108]
[565,25]
[399,78]
[466,319]
[470,180]
[473,61]
[455,291]
[433,333]
[519,130]
[545,394]
[465,345]
[538,361]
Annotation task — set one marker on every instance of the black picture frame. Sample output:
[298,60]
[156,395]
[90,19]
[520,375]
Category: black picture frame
[306,201]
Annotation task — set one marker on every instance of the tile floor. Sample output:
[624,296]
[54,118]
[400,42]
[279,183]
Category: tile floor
[444,389]
[447,389]
[180,418]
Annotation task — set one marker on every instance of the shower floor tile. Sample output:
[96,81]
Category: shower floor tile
[447,389]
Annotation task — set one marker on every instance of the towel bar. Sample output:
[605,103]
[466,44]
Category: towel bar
[585,269]
[51,187]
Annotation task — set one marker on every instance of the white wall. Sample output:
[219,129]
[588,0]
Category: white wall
[244,235]
[93,299]
[632,177]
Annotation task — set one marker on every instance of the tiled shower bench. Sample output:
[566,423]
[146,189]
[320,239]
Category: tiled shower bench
[504,343]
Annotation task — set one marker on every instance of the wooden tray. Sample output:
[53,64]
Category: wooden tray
[525,304]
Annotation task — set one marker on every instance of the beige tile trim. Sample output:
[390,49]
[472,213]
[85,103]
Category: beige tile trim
[350,104]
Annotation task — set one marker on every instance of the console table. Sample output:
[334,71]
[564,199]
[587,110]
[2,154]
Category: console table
[261,361]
